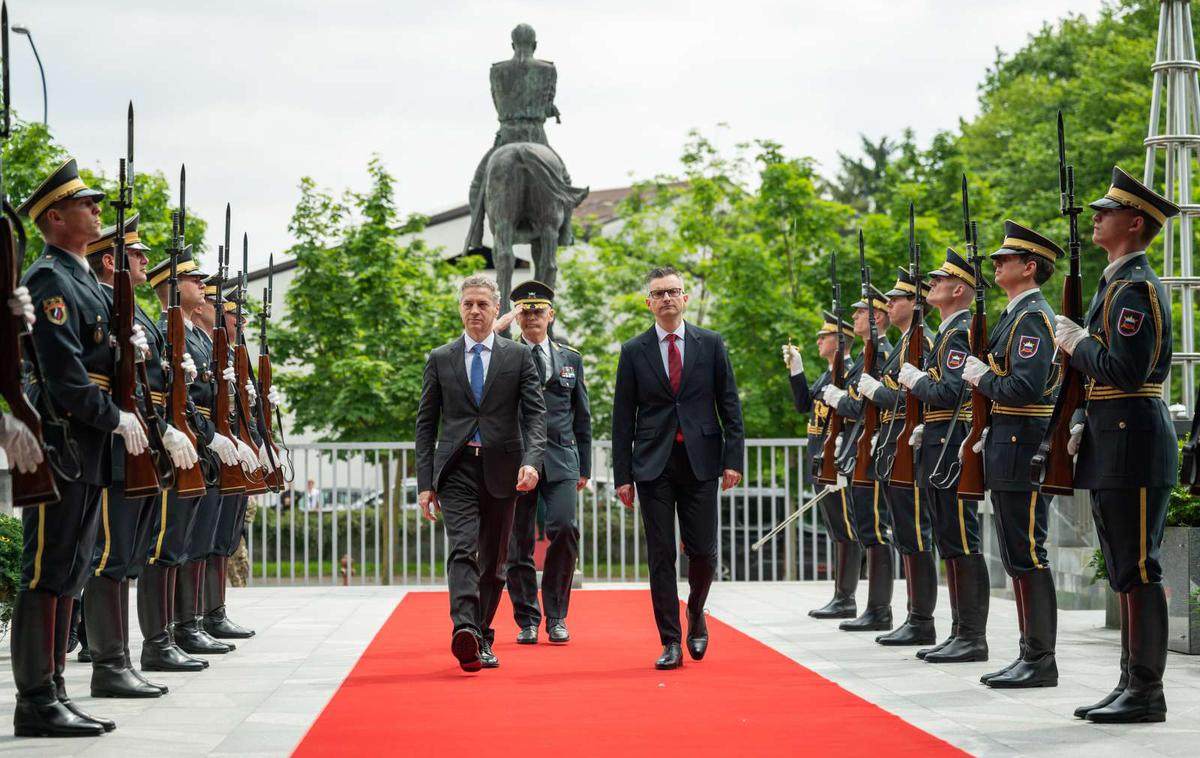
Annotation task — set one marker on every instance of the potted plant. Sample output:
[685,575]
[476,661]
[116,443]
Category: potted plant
[10,568]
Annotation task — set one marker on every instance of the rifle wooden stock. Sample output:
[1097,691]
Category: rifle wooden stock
[833,425]
[141,473]
[233,480]
[36,488]
[1052,466]
[903,469]
[862,460]
[275,479]
[189,482]
[241,361]
[970,478]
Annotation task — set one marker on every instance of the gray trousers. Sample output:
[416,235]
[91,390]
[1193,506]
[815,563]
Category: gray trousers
[561,555]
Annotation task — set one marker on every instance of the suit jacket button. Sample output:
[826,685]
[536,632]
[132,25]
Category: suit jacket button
[1014,438]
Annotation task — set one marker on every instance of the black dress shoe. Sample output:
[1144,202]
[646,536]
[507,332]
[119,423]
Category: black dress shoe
[556,629]
[52,719]
[527,635]
[697,636]
[671,658]
[85,655]
[486,656]
[465,646]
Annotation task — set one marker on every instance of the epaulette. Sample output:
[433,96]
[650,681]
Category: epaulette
[568,347]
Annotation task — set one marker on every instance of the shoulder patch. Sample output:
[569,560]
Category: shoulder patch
[1028,346]
[955,359]
[55,309]
[1129,321]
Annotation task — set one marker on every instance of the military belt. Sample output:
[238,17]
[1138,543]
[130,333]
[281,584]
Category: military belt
[1023,410]
[205,411]
[943,415]
[1106,392]
[101,381]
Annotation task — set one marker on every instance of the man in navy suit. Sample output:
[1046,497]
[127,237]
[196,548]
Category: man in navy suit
[677,435]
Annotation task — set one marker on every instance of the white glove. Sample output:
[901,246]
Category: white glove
[189,368]
[19,444]
[1067,334]
[180,448]
[840,484]
[977,447]
[275,397]
[973,370]
[1076,439]
[874,443]
[264,458]
[793,360]
[20,304]
[910,375]
[837,446]
[914,439]
[230,376]
[832,395]
[247,457]
[868,385]
[138,340]
[251,393]
[225,449]
[132,432]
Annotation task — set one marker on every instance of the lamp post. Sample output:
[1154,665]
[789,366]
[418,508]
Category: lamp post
[45,104]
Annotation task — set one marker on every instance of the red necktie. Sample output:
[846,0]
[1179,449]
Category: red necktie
[674,373]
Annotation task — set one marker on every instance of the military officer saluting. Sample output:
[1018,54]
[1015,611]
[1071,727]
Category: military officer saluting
[566,468]
[1127,449]
[835,507]
[911,518]
[956,522]
[72,340]
[1021,380]
[871,524]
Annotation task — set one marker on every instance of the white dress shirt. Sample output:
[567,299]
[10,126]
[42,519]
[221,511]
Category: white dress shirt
[1111,268]
[486,356]
[1019,297]
[947,321]
[663,343]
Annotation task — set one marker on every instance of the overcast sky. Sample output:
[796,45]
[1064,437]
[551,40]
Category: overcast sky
[254,94]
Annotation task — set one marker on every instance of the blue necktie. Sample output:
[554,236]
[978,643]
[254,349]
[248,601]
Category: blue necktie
[477,383]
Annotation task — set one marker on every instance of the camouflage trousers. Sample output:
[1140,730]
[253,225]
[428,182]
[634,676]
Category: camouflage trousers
[239,564]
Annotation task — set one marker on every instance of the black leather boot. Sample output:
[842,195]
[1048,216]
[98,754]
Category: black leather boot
[974,594]
[78,636]
[1142,699]
[1037,666]
[1122,681]
[847,566]
[880,583]
[952,590]
[39,713]
[111,676]
[155,606]
[62,630]
[216,623]
[189,634]
[1018,583]
[124,593]
[918,629]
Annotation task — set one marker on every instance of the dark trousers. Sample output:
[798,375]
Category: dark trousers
[955,523]
[836,512]
[1021,527]
[1130,526]
[561,555]
[56,550]
[230,524]
[871,518]
[124,527]
[477,529]
[912,519]
[204,531]
[678,491]
[174,519]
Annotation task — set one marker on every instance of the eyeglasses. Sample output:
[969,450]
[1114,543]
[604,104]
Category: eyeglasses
[674,292]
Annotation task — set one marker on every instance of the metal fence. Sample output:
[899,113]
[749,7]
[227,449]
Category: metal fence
[351,516]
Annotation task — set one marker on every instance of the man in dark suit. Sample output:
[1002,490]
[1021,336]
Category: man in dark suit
[677,434]
[481,433]
[566,467]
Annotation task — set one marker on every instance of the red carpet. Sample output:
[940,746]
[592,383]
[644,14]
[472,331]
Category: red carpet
[597,696]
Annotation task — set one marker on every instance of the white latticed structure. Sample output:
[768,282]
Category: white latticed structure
[1175,129]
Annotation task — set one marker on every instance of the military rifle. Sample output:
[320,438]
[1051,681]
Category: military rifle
[277,478]
[189,482]
[903,465]
[241,363]
[232,479]
[828,472]
[1051,466]
[861,474]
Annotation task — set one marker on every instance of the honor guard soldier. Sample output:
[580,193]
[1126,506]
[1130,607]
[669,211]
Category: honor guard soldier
[1021,380]
[1127,447]
[871,523]
[566,468]
[71,336]
[835,507]
[911,518]
[956,523]
[126,521]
